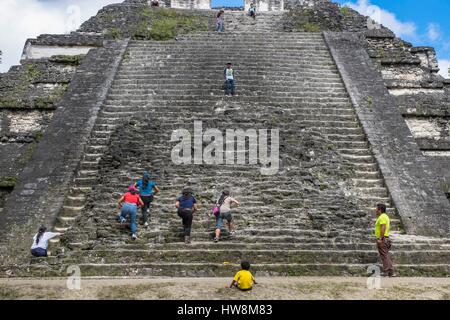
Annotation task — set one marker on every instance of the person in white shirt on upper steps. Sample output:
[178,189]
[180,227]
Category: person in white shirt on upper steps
[230,79]
[40,241]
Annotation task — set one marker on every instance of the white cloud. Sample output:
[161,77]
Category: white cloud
[384,17]
[434,32]
[444,65]
[23,19]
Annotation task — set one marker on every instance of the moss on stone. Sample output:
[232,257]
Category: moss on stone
[68,59]
[309,27]
[42,103]
[370,101]
[29,153]
[345,10]
[8,182]
[126,56]
[114,33]
[166,24]
[11,103]
[57,94]
[446,187]
[32,73]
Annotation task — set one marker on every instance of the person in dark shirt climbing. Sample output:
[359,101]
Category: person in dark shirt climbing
[147,189]
[186,205]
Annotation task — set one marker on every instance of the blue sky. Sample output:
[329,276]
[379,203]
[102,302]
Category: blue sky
[423,23]
[417,21]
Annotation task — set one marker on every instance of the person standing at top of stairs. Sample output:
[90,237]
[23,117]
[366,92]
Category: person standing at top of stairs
[186,205]
[147,189]
[220,22]
[229,80]
[252,11]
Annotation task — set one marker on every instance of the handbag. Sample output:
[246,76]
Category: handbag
[216,209]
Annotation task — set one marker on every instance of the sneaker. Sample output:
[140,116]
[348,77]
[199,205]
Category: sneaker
[216,240]
[134,236]
[393,275]
[122,220]
[232,232]
[386,274]
[146,225]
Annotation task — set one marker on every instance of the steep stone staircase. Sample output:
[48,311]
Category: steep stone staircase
[286,225]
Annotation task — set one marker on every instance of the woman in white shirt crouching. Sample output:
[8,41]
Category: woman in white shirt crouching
[40,241]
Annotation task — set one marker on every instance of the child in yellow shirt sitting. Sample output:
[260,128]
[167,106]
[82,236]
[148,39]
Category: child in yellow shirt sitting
[243,280]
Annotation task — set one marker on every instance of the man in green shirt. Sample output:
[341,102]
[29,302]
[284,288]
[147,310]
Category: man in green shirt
[382,229]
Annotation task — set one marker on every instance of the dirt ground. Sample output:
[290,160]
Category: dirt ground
[293,288]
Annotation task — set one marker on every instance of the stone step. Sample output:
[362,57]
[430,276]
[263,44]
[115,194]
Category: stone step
[371,175]
[243,70]
[226,245]
[86,181]
[200,105]
[65,221]
[89,165]
[232,48]
[368,183]
[87,173]
[259,256]
[227,269]
[73,211]
[228,46]
[241,221]
[316,115]
[210,93]
[58,228]
[81,189]
[93,157]
[144,81]
[77,200]
[96,149]
[248,37]
[156,88]
[217,77]
[373,191]
[355,151]
[359,159]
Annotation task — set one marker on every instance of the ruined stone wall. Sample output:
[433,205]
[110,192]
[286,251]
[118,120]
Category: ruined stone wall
[29,94]
[399,157]
[410,73]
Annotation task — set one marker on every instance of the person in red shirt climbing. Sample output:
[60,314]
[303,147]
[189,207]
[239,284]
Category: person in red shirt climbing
[128,205]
